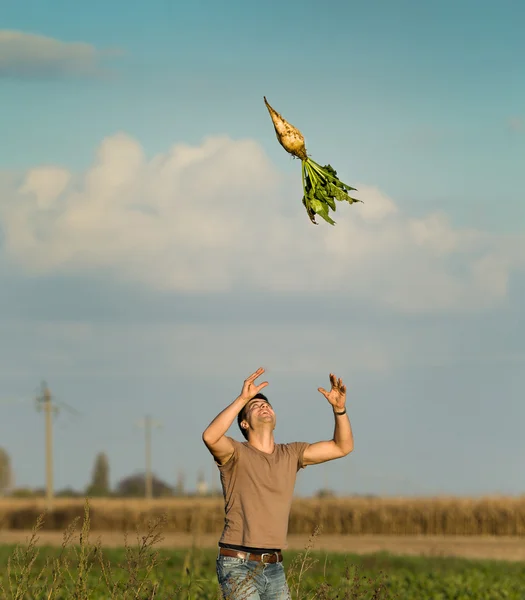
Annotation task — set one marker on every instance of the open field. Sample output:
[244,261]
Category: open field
[472,547]
[190,574]
[441,516]
[82,563]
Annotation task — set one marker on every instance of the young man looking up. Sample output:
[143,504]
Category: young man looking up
[258,479]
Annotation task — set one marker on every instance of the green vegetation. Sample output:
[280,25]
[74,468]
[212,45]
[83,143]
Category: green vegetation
[140,570]
[321,188]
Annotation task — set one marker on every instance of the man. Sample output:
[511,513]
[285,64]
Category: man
[258,479]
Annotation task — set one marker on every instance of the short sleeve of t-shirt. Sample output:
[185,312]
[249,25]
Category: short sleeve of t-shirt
[298,449]
[233,458]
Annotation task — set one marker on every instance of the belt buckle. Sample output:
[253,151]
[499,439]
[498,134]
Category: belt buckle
[269,554]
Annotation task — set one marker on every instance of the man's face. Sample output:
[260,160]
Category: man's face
[259,410]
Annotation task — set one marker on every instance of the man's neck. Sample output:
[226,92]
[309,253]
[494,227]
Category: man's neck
[262,440]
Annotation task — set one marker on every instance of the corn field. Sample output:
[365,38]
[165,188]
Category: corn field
[494,516]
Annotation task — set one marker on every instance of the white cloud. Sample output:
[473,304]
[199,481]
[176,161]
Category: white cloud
[46,183]
[377,206]
[29,55]
[219,215]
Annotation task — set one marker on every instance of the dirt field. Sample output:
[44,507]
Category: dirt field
[476,547]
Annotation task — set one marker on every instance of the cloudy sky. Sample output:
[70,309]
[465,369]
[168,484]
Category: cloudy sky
[154,250]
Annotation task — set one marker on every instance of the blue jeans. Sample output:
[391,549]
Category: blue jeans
[242,579]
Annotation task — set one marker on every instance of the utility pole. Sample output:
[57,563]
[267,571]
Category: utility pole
[45,403]
[148,424]
[49,405]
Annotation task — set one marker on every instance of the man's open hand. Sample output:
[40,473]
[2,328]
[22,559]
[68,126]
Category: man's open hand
[249,389]
[337,395]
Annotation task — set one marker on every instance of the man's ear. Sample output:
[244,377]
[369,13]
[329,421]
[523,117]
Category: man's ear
[244,425]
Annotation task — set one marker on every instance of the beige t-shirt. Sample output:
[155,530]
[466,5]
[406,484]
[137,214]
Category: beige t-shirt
[258,489]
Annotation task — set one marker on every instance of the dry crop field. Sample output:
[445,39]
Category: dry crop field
[439,516]
[488,527]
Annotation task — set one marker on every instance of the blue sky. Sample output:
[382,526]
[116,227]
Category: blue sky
[154,250]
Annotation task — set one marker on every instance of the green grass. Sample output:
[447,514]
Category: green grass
[140,570]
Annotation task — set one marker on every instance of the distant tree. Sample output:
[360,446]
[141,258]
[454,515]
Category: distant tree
[325,493]
[135,486]
[6,473]
[23,493]
[69,493]
[99,485]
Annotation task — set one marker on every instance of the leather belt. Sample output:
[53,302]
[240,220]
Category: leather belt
[266,557]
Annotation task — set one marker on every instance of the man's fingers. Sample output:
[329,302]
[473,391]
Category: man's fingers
[336,383]
[261,386]
[323,391]
[333,380]
[253,376]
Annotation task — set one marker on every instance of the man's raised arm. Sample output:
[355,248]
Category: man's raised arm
[214,435]
[343,440]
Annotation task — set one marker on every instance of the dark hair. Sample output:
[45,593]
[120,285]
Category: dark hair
[240,416]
